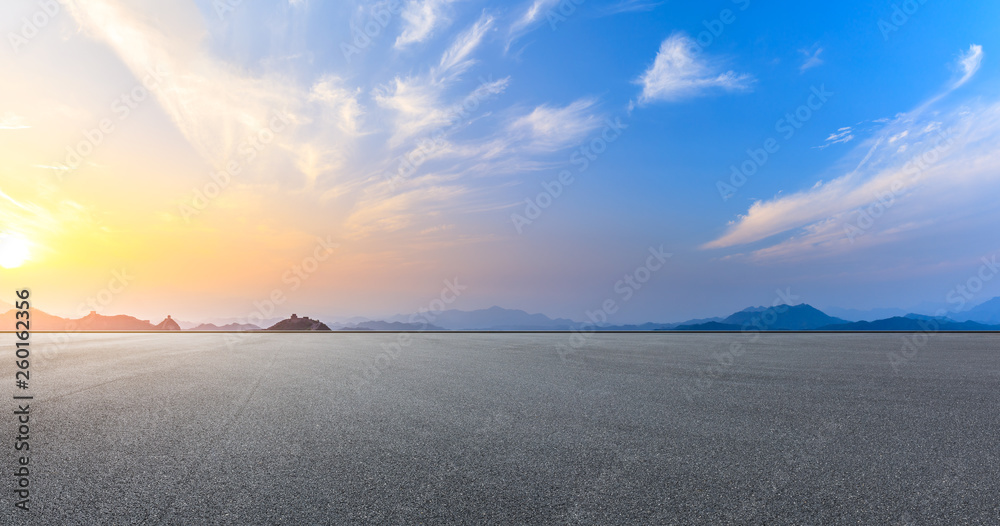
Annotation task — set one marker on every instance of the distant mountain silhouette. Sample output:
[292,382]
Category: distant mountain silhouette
[98,322]
[121,322]
[168,325]
[987,312]
[656,326]
[186,325]
[392,326]
[899,323]
[923,317]
[42,321]
[710,326]
[493,318]
[800,317]
[864,315]
[228,327]
[296,323]
[224,321]
[782,317]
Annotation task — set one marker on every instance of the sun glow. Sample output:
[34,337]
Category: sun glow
[14,251]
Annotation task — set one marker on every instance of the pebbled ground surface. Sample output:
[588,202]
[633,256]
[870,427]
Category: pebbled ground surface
[508,429]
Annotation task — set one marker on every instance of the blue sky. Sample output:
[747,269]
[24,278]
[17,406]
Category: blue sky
[892,113]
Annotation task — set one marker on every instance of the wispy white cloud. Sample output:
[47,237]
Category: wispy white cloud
[632,6]
[418,102]
[812,59]
[421,18]
[551,128]
[214,105]
[968,63]
[456,59]
[346,137]
[679,71]
[341,103]
[11,121]
[842,135]
[534,13]
[930,165]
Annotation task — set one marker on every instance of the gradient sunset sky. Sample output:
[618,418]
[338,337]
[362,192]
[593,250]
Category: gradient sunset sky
[408,136]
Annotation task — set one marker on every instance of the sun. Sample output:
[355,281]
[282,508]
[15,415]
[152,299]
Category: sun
[14,251]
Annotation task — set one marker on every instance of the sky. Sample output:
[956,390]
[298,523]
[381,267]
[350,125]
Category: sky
[668,159]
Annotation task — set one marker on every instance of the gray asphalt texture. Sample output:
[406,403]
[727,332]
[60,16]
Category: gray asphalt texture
[510,429]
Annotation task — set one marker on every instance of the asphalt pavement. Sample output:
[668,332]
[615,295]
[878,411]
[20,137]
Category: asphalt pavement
[508,429]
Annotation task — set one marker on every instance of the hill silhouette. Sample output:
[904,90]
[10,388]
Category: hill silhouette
[709,326]
[296,323]
[800,317]
[230,327]
[168,325]
[987,312]
[120,322]
[900,323]
[40,321]
[392,326]
[494,318]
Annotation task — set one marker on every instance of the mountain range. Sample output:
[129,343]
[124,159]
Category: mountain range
[493,318]
[802,317]
[987,312]
[778,318]
[41,321]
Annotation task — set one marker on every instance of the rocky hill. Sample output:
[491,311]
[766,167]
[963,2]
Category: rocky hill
[168,325]
[296,323]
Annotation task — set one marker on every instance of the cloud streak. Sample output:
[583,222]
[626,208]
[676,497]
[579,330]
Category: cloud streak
[680,72]
[421,18]
[812,59]
[913,166]
[11,121]
[969,63]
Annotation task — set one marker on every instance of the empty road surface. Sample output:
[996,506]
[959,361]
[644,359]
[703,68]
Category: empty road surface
[507,429]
